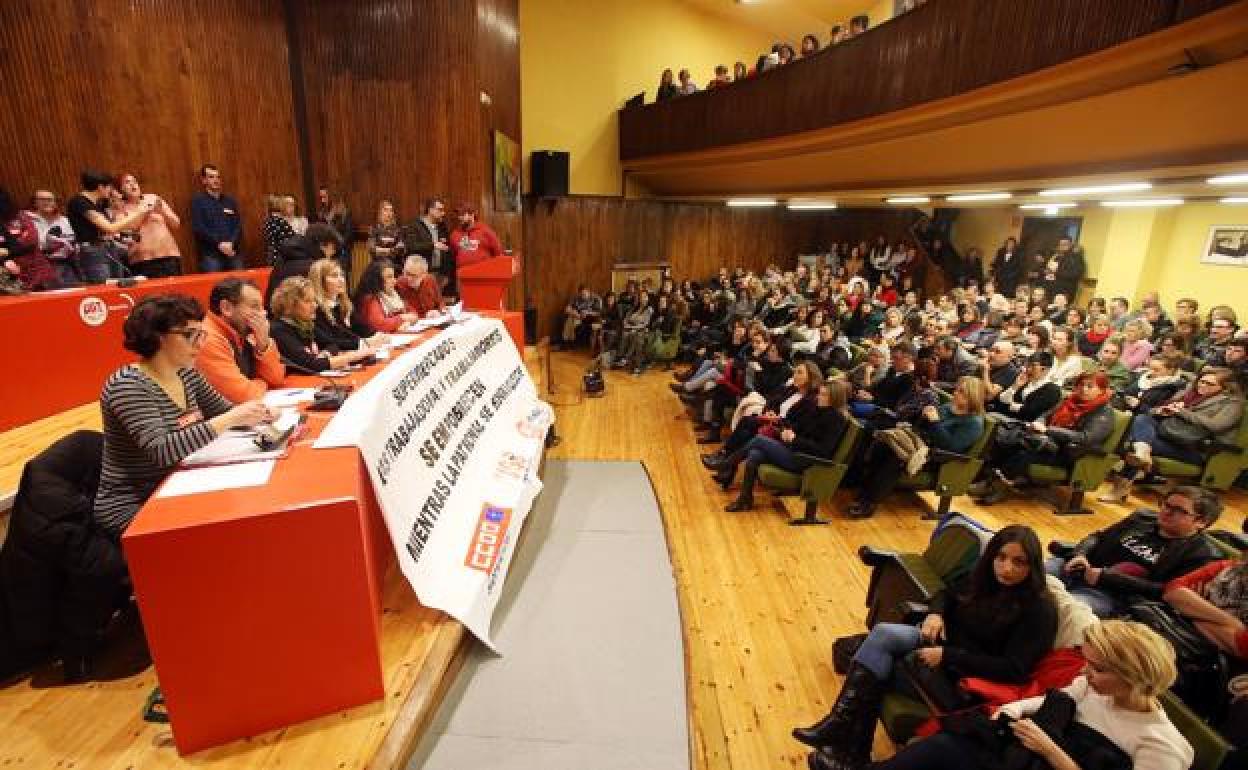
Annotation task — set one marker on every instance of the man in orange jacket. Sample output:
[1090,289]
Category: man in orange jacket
[238,357]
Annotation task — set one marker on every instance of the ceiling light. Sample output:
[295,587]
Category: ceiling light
[1143,202]
[751,202]
[902,199]
[1229,179]
[1046,206]
[811,205]
[1098,189]
[1234,200]
[969,197]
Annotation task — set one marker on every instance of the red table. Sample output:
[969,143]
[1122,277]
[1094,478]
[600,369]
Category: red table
[262,605]
[70,341]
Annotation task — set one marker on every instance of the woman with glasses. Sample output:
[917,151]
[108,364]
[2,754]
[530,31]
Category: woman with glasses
[159,410]
[1210,409]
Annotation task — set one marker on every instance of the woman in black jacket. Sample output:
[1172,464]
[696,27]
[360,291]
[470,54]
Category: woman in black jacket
[1083,419]
[794,401]
[333,326]
[818,435]
[294,310]
[997,625]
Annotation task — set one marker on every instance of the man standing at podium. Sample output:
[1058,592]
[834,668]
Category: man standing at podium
[472,241]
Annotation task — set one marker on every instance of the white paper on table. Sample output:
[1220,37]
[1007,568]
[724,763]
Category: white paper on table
[381,354]
[332,373]
[283,397]
[399,340]
[200,480]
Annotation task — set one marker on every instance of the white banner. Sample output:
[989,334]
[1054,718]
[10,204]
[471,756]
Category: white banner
[452,433]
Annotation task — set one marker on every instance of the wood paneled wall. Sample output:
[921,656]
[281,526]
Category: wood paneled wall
[575,240]
[157,88]
[390,104]
[938,50]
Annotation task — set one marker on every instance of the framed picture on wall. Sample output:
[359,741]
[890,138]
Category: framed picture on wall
[1227,245]
[506,173]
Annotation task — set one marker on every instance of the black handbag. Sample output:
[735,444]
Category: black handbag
[938,689]
[1180,431]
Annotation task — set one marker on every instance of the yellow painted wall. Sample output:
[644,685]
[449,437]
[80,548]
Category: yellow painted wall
[1134,251]
[1180,272]
[581,59]
[880,12]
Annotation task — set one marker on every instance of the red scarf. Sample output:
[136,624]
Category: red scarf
[1095,338]
[1072,410]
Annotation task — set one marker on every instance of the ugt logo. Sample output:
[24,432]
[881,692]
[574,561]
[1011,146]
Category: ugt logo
[93,311]
[487,541]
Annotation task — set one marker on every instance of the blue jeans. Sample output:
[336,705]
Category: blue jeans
[764,450]
[94,264]
[1145,428]
[705,374]
[940,751]
[884,645]
[216,262]
[1102,603]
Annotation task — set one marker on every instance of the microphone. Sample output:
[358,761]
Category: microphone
[329,397]
[129,278]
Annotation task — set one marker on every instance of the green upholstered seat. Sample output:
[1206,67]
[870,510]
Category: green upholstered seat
[1087,472]
[953,474]
[1223,462]
[820,481]
[1210,747]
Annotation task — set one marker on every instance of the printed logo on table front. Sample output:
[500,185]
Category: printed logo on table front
[93,311]
[486,545]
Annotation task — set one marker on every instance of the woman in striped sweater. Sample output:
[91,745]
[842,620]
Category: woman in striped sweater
[159,410]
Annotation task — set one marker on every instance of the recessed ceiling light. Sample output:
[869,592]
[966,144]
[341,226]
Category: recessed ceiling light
[1098,189]
[1045,206]
[811,205]
[1235,200]
[969,197]
[751,202]
[902,199]
[1229,179]
[1143,202]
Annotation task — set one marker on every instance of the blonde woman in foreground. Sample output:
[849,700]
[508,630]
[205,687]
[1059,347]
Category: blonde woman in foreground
[1128,667]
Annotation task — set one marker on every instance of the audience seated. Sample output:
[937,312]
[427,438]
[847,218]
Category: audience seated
[1108,717]
[1136,557]
[1082,419]
[378,304]
[419,288]
[295,308]
[1210,409]
[998,624]
[237,356]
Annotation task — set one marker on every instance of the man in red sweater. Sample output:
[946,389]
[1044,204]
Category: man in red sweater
[473,241]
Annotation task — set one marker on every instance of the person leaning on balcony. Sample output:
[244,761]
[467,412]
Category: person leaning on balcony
[721,77]
[667,88]
[687,86]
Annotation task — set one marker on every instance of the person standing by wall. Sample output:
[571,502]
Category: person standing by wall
[217,224]
[155,253]
[472,241]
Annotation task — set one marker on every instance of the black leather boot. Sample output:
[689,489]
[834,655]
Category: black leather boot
[745,498]
[850,728]
[833,729]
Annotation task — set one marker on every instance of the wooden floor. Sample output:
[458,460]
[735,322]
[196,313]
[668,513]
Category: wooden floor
[761,601]
[761,604]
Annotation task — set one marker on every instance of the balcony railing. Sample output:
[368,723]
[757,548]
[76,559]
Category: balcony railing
[941,49]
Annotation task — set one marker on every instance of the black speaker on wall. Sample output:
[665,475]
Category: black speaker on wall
[548,170]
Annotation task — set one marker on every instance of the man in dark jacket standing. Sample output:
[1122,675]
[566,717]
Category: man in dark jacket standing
[1136,557]
[1064,270]
[428,237]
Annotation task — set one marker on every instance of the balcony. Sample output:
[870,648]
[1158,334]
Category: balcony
[949,64]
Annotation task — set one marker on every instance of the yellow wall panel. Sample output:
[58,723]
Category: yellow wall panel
[581,60]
